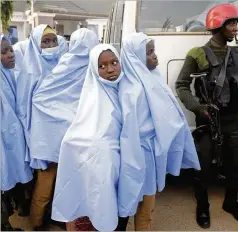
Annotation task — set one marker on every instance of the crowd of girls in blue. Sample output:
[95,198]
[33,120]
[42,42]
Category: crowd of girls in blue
[87,134]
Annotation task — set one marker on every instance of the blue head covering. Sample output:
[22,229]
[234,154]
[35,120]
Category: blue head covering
[88,168]
[35,68]
[152,121]
[19,50]
[55,102]
[14,169]
[63,46]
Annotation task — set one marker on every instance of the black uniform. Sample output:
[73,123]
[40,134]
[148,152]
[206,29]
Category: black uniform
[227,97]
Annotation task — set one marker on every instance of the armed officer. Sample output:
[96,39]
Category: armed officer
[220,61]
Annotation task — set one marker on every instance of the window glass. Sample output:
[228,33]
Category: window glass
[174,16]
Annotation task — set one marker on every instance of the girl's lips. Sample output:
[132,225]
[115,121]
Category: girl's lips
[12,61]
[113,78]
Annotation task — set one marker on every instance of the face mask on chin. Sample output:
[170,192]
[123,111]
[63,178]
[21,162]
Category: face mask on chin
[111,83]
[50,53]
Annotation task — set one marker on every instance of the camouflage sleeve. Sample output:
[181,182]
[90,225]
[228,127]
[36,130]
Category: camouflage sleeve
[184,81]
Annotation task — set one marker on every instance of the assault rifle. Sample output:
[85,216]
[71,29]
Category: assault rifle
[213,126]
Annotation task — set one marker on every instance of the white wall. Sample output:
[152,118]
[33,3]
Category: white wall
[69,26]
[98,24]
[93,28]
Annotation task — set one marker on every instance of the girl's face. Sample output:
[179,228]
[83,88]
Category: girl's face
[7,54]
[109,67]
[49,41]
[151,58]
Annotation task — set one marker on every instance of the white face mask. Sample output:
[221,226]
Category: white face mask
[50,53]
[111,83]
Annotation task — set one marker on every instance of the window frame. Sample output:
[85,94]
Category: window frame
[108,28]
[112,25]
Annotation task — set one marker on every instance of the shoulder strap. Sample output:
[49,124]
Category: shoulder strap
[222,89]
[211,56]
[222,74]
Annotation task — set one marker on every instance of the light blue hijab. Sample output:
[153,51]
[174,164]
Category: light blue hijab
[55,102]
[19,50]
[14,169]
[89,162]
[152,121]
[34,69]
[63,46]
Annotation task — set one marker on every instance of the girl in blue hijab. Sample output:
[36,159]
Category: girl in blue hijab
[55,102]
[14,170]
[155,138]
[89,161]
[41,56]
[20,48]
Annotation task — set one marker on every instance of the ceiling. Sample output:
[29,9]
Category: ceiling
[102,7]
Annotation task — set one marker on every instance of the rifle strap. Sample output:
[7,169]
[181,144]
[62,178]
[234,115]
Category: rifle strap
[222,88]
[218,72]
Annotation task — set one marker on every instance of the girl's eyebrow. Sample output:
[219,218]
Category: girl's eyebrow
[5,49]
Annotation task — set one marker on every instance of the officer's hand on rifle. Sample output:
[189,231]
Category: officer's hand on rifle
[203,114]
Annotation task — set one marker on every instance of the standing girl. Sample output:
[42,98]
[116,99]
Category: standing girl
[41,56]
[155,138]
[14,170]
[55,102]
[89,161]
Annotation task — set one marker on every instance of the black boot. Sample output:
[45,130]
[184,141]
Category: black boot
[201,195]
[203,217]
[230,204]
[24,207]
[122,223]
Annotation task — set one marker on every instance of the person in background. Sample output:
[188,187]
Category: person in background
[63,45]
[15,172]
[155,138]
[19,50]
[195,26]
[41,56]
[89,159]
[219,61]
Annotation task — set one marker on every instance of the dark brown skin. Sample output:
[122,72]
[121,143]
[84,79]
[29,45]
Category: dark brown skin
[109,67]
[7,54]
[226,33]
[151,58]
[49,41]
